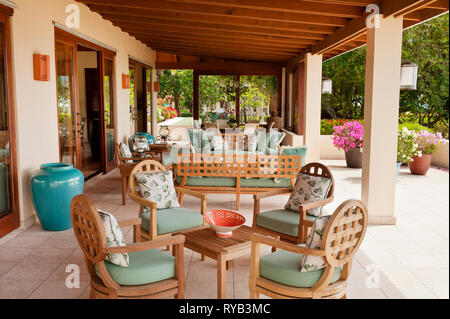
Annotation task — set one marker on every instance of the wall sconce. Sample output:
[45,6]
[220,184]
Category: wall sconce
[408,76]
[327,86]
[125,81]
[41,67]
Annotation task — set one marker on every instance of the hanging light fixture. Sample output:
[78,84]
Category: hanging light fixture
[408,76]
[327,86]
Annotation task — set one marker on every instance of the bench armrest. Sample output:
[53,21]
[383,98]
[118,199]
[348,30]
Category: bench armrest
[152,244]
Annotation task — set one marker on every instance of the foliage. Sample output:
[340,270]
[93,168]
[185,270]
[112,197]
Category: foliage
[407,147]
[427,45]
[326,125]
[414,126]
[348,136]
[167,113]
[429,143]
[347,73]
[178,84]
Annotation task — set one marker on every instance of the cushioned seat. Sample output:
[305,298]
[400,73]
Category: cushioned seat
[173,219]
[231,182]
[281,220]
[145,267]
[284,267]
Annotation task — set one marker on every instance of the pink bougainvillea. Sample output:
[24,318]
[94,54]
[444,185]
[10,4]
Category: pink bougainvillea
[348,136]
[429,143]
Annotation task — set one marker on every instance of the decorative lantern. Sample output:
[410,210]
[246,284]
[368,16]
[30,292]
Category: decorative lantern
[164,133]
[327,86]
[408,76]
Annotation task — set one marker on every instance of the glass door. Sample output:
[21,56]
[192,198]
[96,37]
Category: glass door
[68,116]
[149,86]
[133,99]
[109,111]
[9,217]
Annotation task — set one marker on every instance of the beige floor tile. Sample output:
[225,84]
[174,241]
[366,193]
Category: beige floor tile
[60,243]
[362,292]
[30,271]
[408,292]
[206,289]
[441,291]
[26,242]
[17,289]
[6,267]
[431,276]
[49,255]
[58,290]
[14,254]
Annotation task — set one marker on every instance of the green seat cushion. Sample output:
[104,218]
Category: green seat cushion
[231,182]
[284,268]
[145,267]
[281,220]
[173,219]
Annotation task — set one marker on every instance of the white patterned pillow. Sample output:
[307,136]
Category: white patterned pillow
[114,238]
[158,187]
[216,142]
[125,152]
[314,241]
[308,189]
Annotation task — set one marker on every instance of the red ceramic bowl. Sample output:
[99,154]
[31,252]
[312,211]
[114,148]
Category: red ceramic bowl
[224,221]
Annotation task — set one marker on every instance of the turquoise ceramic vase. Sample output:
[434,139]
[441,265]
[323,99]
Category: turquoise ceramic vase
[52,190]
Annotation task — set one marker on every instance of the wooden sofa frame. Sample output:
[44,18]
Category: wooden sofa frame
[237,166]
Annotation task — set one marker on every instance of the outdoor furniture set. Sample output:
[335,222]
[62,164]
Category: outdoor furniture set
[318,268]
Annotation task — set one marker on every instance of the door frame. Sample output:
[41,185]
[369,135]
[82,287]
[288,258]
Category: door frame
[11,221]
[102,53]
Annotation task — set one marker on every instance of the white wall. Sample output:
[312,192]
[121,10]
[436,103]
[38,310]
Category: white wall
[35,102]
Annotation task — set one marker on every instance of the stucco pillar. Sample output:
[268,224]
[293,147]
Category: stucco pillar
[312,106]
[381,104]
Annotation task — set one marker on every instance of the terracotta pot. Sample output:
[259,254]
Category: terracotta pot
[354,158]
[420,165]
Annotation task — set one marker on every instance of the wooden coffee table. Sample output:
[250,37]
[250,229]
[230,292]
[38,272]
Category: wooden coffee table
[204,241]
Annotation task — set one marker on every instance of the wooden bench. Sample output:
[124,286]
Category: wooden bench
[249,174]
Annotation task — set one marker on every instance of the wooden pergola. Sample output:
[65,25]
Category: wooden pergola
[255,30]
[291,39]
[256,37]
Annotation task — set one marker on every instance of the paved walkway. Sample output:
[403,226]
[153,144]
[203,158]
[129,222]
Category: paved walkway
[412,257]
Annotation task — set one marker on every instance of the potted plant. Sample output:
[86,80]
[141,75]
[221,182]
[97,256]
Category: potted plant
[348,137]
[407,147]
[428,143]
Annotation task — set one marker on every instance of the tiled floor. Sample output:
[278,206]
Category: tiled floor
[410,259]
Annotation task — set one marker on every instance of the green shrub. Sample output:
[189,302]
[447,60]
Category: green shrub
[185,114]
[326,125]
[414,126]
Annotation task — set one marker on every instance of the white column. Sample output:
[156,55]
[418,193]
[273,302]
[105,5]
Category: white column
[382,93]
[312,106]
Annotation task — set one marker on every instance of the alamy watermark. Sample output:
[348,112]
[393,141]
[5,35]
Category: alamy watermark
[73,17]
[73,279]
[373,19]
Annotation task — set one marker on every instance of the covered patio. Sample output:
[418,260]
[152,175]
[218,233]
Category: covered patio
[33,262]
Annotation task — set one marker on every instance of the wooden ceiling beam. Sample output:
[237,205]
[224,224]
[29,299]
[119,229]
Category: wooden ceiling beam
[215,45]
[182,38]
[402,7]
[201,28]
[221,11]
[240,67]
[293,6]
[253,25]
[223,55]
[211,31]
